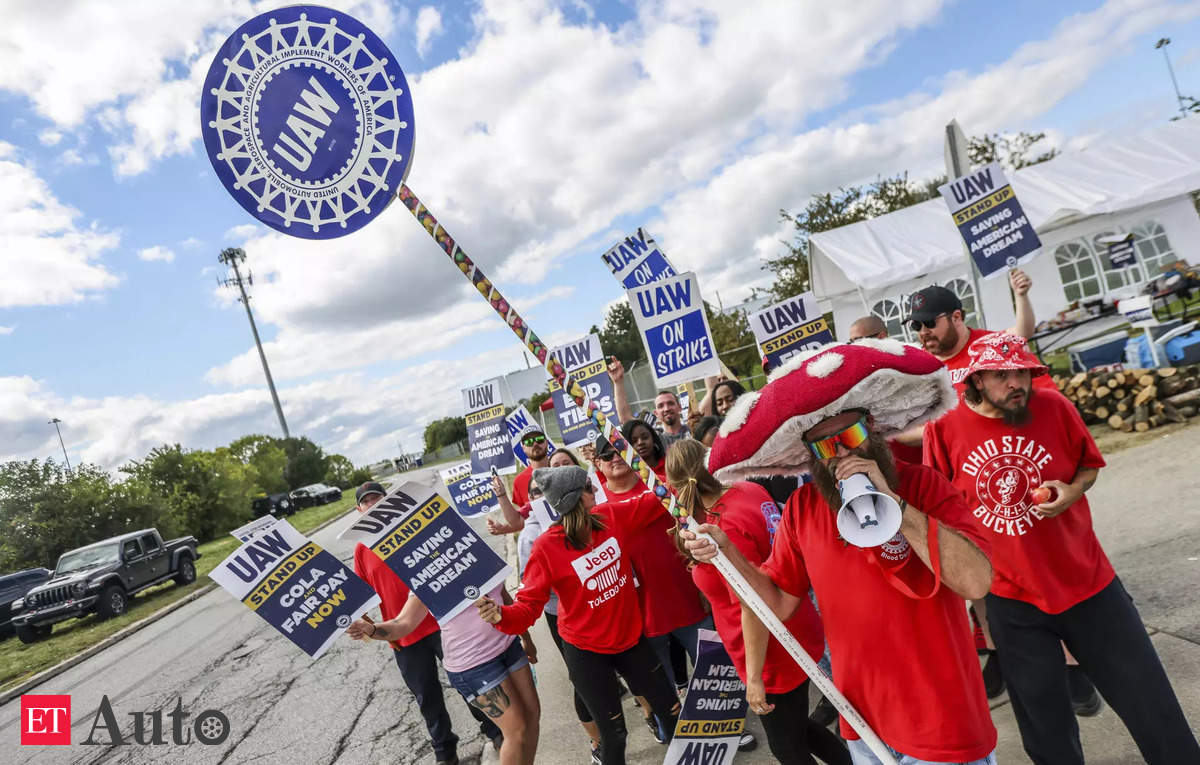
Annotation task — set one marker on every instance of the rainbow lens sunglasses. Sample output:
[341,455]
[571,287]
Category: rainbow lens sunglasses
[852,437]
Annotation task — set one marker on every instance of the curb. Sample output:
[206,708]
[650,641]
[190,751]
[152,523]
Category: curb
[117,637]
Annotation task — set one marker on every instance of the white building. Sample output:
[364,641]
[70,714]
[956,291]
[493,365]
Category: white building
[1137,184]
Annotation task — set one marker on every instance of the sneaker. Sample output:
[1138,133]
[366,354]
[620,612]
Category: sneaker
[596,754]
[823,713]
[747,743]
[498,741]
[451,759]
[993,681]
[652,724]
[1085,700]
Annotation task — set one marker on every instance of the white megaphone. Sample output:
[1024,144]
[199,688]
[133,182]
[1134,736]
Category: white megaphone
[868,518]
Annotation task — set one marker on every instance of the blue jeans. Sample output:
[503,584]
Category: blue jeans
[689,635]
[860,754]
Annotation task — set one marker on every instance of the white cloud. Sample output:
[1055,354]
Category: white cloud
[243,232]
[73,158]
[429,26]
[47,259]
[6,330]
[191,243]
[50,137]
[157,252]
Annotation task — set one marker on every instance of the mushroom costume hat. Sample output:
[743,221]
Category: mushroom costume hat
[901,386]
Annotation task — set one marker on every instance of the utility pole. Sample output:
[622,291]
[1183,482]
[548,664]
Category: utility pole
[1162,43]
[231,257]
[66,459]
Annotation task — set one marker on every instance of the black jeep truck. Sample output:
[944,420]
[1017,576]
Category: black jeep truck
[102,577]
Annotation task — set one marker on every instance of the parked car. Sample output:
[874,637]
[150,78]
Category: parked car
[277,505]
[102,577]
[13,588]
[315,494]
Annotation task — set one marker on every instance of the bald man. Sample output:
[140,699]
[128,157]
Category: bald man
[867,326]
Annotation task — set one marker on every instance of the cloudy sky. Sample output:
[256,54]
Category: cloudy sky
[545,132]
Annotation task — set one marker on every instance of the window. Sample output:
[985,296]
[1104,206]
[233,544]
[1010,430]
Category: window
[1077,269]
[132,549]
[1150,241]
[1115,278]
[966,293]
[149,543]
[889,313]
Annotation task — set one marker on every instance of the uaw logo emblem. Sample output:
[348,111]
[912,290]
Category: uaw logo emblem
[308,121]
[1002,486]
[599,569]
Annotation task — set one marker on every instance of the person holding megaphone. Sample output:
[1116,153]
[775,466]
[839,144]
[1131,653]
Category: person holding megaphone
[893,611]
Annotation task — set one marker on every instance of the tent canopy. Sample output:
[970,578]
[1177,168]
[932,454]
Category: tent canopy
[1118,174]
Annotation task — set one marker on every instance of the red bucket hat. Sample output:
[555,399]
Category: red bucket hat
[1001,351]
[898,384]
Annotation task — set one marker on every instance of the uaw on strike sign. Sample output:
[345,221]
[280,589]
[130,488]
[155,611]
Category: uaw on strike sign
[302,590]
[998,234]
[431,548]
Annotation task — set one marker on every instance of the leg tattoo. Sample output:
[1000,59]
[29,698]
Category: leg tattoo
[493,703]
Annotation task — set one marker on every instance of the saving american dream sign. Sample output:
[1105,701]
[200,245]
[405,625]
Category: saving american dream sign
[713,713]
[308,122]
[785,329]
[486,431]
[998,234]
[431,548]
[299,588]
[670,315]
[585,361]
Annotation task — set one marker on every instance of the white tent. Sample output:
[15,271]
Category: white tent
[1137,184]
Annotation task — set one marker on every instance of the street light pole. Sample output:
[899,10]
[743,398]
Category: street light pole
[1162,43]
[66,459]
[231,257]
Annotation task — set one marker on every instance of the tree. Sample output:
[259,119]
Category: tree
[733,340]
[536,400]
[620,337]
[443,432]
[199,492]
[1012,150]
[267,458]
[305,462]
[339,471]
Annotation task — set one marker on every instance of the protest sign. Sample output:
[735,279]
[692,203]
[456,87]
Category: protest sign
[713,714]
[584,361]
[485,430]
[247,532]
[670,316]
[998,234]
[1120,251]
[787,328]
[299,588]
[637,260]
[433,550]
[470,496]
[519,422]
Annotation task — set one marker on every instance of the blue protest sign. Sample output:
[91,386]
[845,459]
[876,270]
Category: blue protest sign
[471,497]
[431,548]
[253,528]
[308,122]
[637,260]
[585,362]
[519,422]
[300,589]
[785,329]
[486,432]
[713,714]
[670,315]
[998,234]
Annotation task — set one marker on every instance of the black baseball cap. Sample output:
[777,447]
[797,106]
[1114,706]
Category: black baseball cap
[603,446]
[931,302]
[370,487]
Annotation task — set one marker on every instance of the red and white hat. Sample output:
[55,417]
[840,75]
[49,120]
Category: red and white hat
[1001,351]
[898,384]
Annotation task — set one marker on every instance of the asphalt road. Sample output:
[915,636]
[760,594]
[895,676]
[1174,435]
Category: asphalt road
[350,706]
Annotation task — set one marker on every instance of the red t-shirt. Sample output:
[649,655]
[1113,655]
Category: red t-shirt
[957,364]
[660,469]
[906,664]
[597,608]
[1053,563]
[393,593]
[666,593]
[746,514]
[520,491]
[905,452]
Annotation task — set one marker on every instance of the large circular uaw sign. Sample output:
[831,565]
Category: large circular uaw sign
[308,121]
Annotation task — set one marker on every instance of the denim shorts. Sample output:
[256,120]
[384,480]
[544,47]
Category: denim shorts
[480,679]
[861,754]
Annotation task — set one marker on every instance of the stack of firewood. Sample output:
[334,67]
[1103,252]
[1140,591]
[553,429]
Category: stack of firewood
[1134,399]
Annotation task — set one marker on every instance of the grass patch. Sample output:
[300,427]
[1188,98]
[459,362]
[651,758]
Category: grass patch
[18,661]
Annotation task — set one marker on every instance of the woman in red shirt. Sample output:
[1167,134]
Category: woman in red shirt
[580,557]
[747,515]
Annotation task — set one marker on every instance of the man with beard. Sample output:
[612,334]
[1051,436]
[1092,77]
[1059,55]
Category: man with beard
[1004,448]
[894,617]
[669,413]
[537,452]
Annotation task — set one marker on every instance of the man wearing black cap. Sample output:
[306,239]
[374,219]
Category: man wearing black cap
[537,452]
[418,652]
[936,317]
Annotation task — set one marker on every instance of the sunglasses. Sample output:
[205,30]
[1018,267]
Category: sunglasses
[531,440]
[916,324]
[534,493]
[607,456]
[851,437]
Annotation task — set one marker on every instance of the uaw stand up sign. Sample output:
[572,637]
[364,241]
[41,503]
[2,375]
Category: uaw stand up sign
[308,121]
